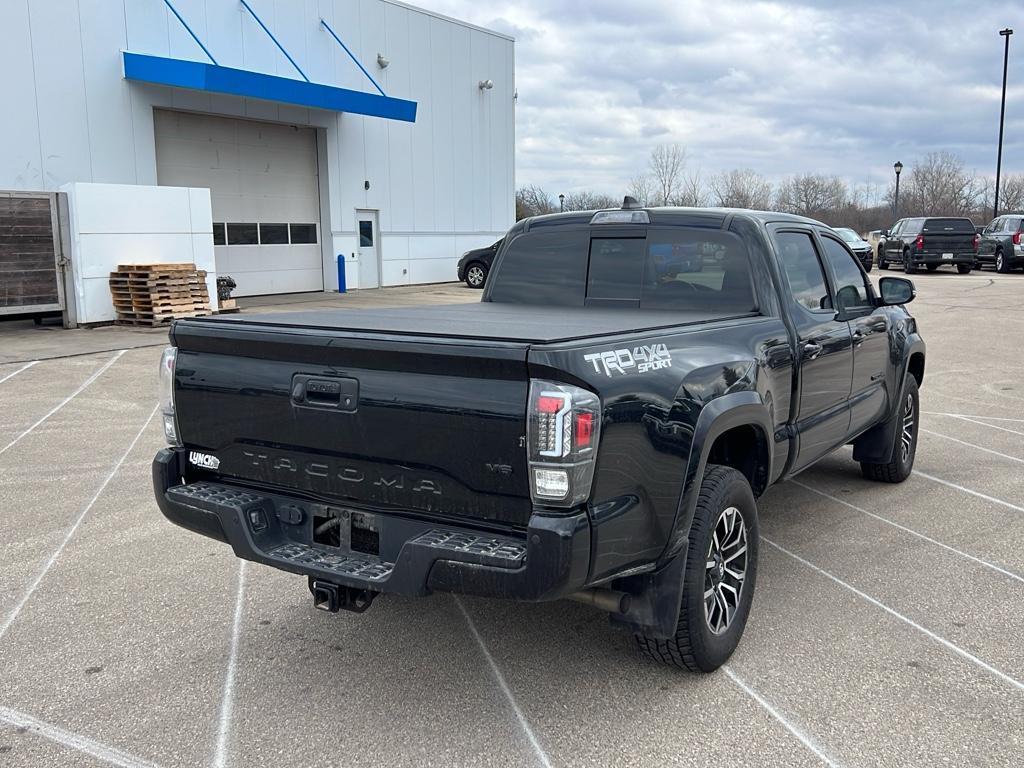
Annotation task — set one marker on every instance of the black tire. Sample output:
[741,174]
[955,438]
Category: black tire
[476,275]
[696,646]
[868,267]
[908,266]
[882,263]
[1001,264]
[964,269]
[902,464]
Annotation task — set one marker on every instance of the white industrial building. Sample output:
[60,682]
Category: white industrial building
[365,129]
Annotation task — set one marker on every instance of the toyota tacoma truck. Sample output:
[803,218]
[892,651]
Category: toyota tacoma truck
[598,427]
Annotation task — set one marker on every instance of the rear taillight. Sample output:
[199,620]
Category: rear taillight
[919,243]
[563,430]
[977,239]
[1016,238]
[170,418]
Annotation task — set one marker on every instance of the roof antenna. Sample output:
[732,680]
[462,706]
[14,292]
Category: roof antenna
[630,203]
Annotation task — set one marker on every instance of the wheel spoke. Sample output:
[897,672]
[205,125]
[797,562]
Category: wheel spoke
[738,575]
[736,554]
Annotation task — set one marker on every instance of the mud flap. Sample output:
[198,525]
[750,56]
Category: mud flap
[656,597]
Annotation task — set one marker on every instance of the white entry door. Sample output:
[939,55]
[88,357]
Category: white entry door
[369,249]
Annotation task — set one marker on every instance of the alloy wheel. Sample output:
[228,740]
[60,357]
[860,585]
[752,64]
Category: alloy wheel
[475,276]
[907,437]
[725,570]
[999,261]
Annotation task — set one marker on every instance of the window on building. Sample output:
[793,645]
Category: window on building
[218,233]
[365,234]
[273,234]
[303,234]
[243,234]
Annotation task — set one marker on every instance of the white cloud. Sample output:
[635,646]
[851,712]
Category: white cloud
[831,87]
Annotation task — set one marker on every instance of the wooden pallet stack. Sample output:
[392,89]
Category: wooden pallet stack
[155,294]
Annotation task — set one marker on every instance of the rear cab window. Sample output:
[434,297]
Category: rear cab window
[941,226]
[639,267]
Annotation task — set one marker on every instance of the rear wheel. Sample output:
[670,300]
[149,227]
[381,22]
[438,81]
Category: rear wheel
[721,569]
[908,265]
[476,275]
[882,263]
[964,269]
[1001,264]
[905,440]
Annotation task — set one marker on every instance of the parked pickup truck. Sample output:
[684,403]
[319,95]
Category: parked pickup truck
[930,243]
[597,428]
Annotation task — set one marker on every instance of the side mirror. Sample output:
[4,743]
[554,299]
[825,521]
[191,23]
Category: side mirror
[896,290]
[884,233]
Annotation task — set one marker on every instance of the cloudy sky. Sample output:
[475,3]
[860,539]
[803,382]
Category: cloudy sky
[835,86]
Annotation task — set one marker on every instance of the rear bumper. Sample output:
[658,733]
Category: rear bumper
[414,557]
[958,257]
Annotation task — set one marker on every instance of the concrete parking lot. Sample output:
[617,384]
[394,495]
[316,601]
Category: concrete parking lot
[887,626]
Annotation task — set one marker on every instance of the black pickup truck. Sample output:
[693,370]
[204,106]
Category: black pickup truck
[597,428]
[930,243]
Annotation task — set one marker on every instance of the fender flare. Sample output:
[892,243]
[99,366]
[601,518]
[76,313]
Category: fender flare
[737,409]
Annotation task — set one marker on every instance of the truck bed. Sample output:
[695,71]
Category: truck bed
[480,320]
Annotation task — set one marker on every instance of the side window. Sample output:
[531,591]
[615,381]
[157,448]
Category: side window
[995,225]
[1015,225]
[896,228]
[851,289]
[803,270]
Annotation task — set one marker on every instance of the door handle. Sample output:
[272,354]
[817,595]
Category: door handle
[858,337]
[812,350]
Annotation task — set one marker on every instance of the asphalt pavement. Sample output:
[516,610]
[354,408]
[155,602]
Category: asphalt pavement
[887,629]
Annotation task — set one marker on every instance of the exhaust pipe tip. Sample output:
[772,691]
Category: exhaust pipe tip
[608,600]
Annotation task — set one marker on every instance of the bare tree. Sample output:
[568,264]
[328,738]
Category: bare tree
[531,200]
[1011,196]
[641,188]
[742,188]
[939,185]
[692,192]
[812,195]
[667,163]
[589,201]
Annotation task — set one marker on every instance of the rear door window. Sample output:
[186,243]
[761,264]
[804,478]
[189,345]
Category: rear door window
[806,277]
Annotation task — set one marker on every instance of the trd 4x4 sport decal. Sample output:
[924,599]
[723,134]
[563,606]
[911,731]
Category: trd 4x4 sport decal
[625,361]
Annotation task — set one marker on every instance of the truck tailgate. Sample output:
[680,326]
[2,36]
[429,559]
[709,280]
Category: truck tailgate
[383,421]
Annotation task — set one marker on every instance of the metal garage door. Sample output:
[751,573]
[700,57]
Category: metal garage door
[265,194]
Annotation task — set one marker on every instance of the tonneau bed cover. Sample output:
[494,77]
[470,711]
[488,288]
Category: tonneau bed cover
[480,320]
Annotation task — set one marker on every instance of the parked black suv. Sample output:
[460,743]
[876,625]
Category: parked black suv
[861,248]
[1001,243]
[930,243]
[474,265]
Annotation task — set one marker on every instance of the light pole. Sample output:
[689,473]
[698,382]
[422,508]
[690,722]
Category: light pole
[1002,114]
[561,203]
[898,167]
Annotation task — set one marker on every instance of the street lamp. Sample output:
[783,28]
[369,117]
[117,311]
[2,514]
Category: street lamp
[561,203]
[898,167]
[1002,114]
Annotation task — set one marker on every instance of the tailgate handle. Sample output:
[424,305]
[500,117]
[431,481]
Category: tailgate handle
[334,394]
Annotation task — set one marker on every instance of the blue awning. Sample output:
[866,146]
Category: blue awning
[213,78]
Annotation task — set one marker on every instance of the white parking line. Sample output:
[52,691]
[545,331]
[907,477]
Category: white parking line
[67,399]
[73,740]
[805,740]
[25,367]
[227,700]
[971,416]
[896,614]
[979,494]
[912,532]
[972,445]
[990,426]
[71,531]
[542,756]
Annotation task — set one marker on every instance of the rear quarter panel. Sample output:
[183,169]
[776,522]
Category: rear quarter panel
[654,388]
